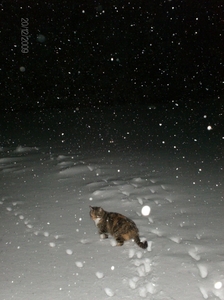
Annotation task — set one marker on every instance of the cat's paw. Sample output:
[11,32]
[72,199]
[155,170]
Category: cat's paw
[103,236]
[119,243]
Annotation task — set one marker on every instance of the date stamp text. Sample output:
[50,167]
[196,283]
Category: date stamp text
[24,35]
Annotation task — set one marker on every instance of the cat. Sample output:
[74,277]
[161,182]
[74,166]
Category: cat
[119,226]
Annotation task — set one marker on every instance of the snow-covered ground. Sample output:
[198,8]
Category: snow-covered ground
[50,248]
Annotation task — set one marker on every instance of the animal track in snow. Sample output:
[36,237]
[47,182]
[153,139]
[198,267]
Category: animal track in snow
[131,253]
[139,254]
[193,253]
[150,220]
[132,284]
[156,232]
[140,201]
[79,264]
[148,288]
[159,202]
[169,200]
[151,288]
[91,168]
[69,251]
[202,270]
[142,292]
[97,193]
[15,203]
[147,265]
[99,275]
[134,185]
[141,271]
[109,292]
[30,226]
[204,293]
[175,239]
[149,246]
[26,222]
[34,231]
[57,236]
[125,193]
[198,236]
[85,241]
[143,266]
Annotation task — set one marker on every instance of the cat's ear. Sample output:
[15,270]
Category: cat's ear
[100,209]
[90,207]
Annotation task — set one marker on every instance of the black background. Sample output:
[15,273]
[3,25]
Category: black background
[161,50]
[132,74]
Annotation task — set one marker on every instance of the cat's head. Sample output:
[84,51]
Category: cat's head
[96,212]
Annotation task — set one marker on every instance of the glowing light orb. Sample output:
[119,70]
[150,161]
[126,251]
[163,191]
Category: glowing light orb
[145,210]
[22,69]
[218,285]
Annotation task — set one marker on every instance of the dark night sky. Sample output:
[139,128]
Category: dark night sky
[109,52]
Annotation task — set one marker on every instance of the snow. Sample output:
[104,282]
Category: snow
[50,248]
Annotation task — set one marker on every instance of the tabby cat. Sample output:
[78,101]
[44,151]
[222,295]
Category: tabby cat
[119,226]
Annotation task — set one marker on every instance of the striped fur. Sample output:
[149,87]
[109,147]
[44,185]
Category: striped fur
[117,225]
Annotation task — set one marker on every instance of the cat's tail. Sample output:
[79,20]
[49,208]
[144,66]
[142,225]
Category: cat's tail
[142,245]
